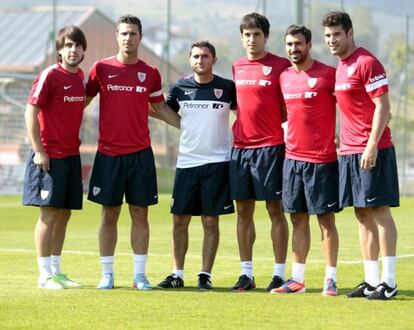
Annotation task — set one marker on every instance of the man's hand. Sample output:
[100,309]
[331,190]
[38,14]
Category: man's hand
[369,158]
[41,159]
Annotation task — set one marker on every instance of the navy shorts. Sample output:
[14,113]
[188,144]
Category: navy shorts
[310,187]
[202,190]
[257,173]
[60,187]
[132,174]
[375,187]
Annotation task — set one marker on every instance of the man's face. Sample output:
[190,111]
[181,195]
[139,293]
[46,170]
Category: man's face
[201,60]
[253,41]
[337,39]
[297,48]
[128,38]
[71,53]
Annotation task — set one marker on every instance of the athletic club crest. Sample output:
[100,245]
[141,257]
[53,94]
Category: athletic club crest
[96,190]
[267,70]
[218,92]
[312,82]
[44,194]
[141,76]
[350,70]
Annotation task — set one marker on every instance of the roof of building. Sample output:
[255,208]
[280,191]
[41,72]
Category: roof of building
[26,35]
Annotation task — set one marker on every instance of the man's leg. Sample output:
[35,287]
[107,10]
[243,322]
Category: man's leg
[330,240]
[108,236]
[330,245]
[388,243]
[246,235]
[139,243]
[210,242]
[300,250]
[180,242]
[43,241]
[279,230]
[369,242]
[58,238]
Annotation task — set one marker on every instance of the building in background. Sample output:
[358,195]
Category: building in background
[27,39]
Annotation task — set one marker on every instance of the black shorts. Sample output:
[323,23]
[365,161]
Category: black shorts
[375,187]
[133,175]
[202,190]
[310,187]
[61,187]
[257,173]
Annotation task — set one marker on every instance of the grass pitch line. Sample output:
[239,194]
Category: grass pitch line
[95,253]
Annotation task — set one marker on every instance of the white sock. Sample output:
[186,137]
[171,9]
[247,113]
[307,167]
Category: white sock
[388,271]
[45,269]
[140,261]
[206,273]
[298,272]
[179,273]
[247,268]
[107,263]
[55,264]
[330,272]
[371,269]
[279,270]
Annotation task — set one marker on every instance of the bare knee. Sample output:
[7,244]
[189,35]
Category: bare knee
[110,215]
[210,224]
[274,208]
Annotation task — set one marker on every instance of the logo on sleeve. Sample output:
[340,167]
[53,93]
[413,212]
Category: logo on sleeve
[141,76]
[267,70]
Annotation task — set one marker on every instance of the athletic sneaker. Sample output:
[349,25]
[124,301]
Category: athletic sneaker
[290,286]
[383,292]
[141,282]
[66,281]
[106,282]
[329,288]
[50,283]
[244,283]
[361,291]
[204,282]
[275,283]
[171,281]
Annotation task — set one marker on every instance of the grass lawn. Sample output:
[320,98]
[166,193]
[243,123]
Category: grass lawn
[23,305]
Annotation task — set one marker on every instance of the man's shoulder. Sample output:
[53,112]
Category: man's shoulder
[221,81]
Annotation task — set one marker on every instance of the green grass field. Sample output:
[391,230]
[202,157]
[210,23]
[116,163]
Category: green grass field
[23,305]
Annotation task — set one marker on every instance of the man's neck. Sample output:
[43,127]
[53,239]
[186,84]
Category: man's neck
[203,79]
[255,57]
[352,48]
[127,58]
[71,69]
[305,65]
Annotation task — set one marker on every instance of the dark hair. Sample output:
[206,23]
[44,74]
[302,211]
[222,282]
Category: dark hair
[130,19]
[296,29]
[255,20]
[71,32]
[335,18]
[204,43]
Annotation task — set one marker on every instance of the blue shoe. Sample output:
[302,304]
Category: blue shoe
[330,289]
[141,282]
[106,282]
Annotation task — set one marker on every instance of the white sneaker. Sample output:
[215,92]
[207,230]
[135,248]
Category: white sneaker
[50,284]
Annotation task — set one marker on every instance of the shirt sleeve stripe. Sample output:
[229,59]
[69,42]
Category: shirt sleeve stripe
[156,93]
[42,79]
[375,85]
